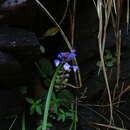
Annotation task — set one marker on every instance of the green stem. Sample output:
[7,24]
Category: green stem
[23,122]
[46,111]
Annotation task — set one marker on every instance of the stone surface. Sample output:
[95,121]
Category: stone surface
[12,72]
[20,43]
[18,13]
[12,102]
[12,105]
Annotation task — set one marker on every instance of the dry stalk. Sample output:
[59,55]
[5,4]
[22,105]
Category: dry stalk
[128,15]
[124,91]
[118,44]
[54,21]
[109,126]
[108,8]
[100,37]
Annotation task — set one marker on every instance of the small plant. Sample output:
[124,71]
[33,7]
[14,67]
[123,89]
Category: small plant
[58,102]
[109,59]
[36,106]
[63,65]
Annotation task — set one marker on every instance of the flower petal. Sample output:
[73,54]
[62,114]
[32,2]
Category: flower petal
[75,68]
[71,56]
[73,51]
[66,67]
[57,62]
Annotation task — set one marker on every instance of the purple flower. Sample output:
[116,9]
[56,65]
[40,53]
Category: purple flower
[67,56]
[75,68]
[71,56]
[57,62]
[66,67]
[73,51]
[61,55]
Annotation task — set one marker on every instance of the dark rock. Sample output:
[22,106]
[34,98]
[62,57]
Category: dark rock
[12,102]
[13,73]
[8,64]
[18,13]
[20,43]
[12,105]
[27,14]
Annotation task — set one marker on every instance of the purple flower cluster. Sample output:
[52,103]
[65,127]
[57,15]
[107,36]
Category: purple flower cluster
[64,58]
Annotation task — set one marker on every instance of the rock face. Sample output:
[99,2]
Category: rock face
[21,43]
[19,49]
[18,13]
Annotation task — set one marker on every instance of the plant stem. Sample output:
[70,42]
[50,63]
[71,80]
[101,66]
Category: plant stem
[23,122]
[47,105]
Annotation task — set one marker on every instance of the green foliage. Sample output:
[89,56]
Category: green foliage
[23,122]
[66,97]
[42,49]
[58,103]
[49,125]
[46,68]
[109,60]
[36,106]
[57,100]
[23,90]
[48,100]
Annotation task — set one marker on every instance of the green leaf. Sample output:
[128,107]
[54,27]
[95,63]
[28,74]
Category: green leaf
[45,68]
[99,64]
[38,101]
[39,127]
[51,32]
[114,60]
[49,125]
[70,114]
[108,57]
[32,109]
[61,116]
[61,110]
[23,90]
[30,100]
[65,97]
[109,64]
[47,82]
[57,86]
[38,109]
[42,49]
[56,106]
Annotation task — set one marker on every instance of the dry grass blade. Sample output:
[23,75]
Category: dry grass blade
[54,21]
[100,13]
[124,91]
[128,11]
[108,8]
[109,126]
[65,12]
[114,4]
